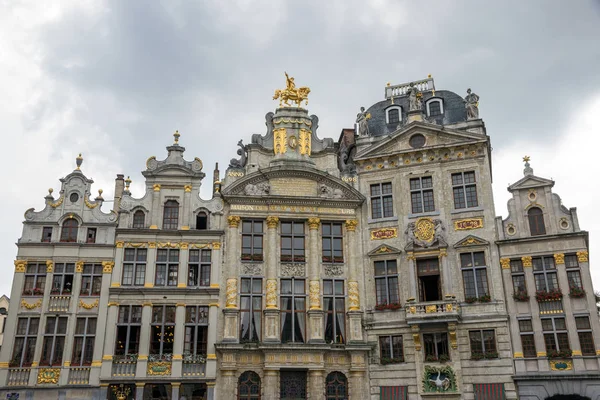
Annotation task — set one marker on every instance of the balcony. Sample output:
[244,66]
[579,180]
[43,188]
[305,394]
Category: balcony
[124,366]
[432,312]
[193,366]
[79,375]
[159,364]
[551,307]
[18,377]
[59,303]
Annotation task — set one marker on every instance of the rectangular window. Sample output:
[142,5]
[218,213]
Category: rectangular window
[430,284]
[292,242]
[83,344]
[436,346]
[555,336]
[586,339]
[335,309]
[518,277]
[391,350]
[162,330]
[483,343]
[464,189]
[35,279]
[47,234]
[134,267]
[54,341]
[571,261]
[293,310]
[381,200]
[252,240]
[474,273]
[199,268]
[527,340]
[421,195]
[544,272]
[25,338]
[91,280]
[167,265]
[332,242]
[91,235]
[62,279]
[250,309]
[129,325]
[196,331]
[435,108]
[386,283]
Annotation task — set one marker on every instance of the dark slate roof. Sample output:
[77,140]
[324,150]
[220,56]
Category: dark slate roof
[454,111]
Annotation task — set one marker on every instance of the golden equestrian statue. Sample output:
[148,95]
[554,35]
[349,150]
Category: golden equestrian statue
[291,93]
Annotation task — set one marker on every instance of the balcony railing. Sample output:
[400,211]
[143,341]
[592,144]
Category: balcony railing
[432,311]
[193,366]
[18,377]
[125,365]
[551,307]
[400,90]
[79,375]
[59,303]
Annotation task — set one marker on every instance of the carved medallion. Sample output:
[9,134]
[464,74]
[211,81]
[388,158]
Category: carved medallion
[425,229]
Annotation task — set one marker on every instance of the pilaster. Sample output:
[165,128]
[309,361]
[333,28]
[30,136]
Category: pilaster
[144,346]
[179,339]
[156,207]
[211,364]
[108,341]
[117,270]
[151,265]
[271,384]
[353,289]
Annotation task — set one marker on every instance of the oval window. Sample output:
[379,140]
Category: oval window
[417,141]
[74,197]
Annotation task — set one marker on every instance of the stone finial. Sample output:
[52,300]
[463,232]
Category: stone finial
[528,170]
[127,183]
[100,191]
[176,135]
[79,161]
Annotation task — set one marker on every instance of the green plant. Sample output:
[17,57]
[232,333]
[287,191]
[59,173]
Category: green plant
[390,360]
[486,298]
[470,300]
[576,292]
[548,295]
[521,295]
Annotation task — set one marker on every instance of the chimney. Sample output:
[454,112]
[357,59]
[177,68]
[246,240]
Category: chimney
[119,187]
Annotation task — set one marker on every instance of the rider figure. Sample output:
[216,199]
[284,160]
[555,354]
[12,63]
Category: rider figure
[291,86]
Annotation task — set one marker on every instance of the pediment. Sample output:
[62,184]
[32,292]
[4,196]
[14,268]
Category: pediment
[530,181]
[299,182]
[471,240]
[435,137]
[384,249]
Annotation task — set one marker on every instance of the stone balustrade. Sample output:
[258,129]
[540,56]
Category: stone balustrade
[432,311]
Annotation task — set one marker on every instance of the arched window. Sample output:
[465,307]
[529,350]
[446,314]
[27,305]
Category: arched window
[435,107]
[536,221]
[202,220]
[249,386]
[139,219]
[69,230]
[336,386]
[171,215]
[393,115]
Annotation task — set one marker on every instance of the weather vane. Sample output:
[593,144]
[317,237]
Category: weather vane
[297,95]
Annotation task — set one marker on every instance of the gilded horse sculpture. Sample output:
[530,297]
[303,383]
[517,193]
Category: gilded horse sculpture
[297,95]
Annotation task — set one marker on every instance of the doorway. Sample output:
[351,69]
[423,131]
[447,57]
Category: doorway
[292,385]
[430,283]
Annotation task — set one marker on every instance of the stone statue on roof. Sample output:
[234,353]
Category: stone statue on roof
[472,105]
[414,101]
[361,119]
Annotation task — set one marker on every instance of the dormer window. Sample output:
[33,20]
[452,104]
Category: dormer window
[393,115]
[536,221]
[139,219]
[202,220]
[171,215]
[47,234]
[69,230]
[435,107]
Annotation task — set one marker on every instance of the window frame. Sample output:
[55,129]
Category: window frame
[392,349]
[165,325]
[254,255]
[136,266]
[388,110]
[434,100]
[573,270]
[192,331]
[382,204]
[170,220]
[292,236]
[293,311]
[491,352]
[517,271]
[60,275]
[91,235]
[55,358]
[45,237]
[386,277]
[199,216]
[536,220]
[589,349]
[249,380]
[336,386]
[29,340]
[336,311]
[94,273]
[137,222]
[529,348]
[476,273]
[128,324]
[418,193]
[166,271]
[554,333]
[332,237]
[68,231]
[38,278]
[545,272]
[87,350]
[464,190]
[199,270]
[445,350]
[253,310]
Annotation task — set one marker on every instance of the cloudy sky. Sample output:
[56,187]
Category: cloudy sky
[115,79]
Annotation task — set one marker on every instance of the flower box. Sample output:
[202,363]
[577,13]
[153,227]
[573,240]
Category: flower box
[521,296]
[385,306]
[442,358]
[560,353]
[470,300]
[576,292]
[548,295]
[486,298]
[387,360]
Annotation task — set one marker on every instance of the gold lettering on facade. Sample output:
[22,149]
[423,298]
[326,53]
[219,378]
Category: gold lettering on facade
[467,224]
[384,233]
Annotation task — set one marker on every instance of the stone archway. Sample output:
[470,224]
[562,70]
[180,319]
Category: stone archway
[567,397]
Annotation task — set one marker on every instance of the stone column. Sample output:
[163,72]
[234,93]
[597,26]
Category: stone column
[356,383]
[150,265]
[271,331]
[144,347]
[412,276]
[175,389]
[108,341]
[117,269]
[186,219]
[182,271]
[354,333]
[315,312]
[211,359]
[316,384]
[178,340]
[270,384]
[210,390]
[155,214]
[231,311]
[216,262]
[139,388]
[446,276]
